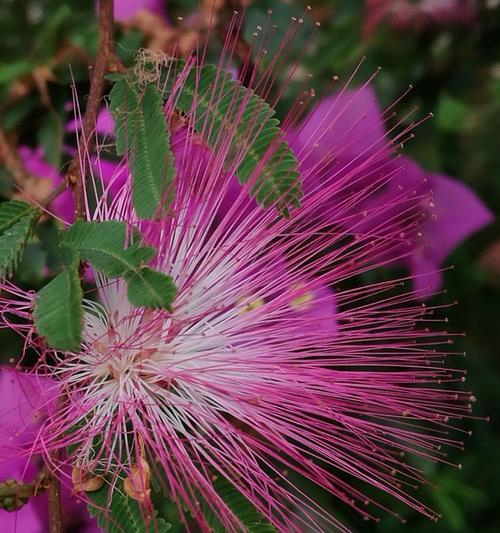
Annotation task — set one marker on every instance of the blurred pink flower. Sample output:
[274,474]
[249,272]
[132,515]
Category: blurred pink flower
[33,160]
[20,417]
[405,14]
[26,400]
[126,10]
[104,123]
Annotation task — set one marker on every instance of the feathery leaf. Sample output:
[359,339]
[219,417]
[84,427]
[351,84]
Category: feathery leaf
[243,508]
[142,134]
[16,223]
[224,112]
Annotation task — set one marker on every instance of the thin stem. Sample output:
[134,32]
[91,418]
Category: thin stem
[54,487]
[105,60]
[54,194]
[18,490]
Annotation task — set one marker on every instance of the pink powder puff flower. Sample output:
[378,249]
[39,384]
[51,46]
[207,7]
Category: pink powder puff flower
[274,358]
[349,129]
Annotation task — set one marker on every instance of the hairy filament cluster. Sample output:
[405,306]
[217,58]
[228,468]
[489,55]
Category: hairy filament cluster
[276,358]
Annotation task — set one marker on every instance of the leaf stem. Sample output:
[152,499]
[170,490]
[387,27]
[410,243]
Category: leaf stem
[54,194]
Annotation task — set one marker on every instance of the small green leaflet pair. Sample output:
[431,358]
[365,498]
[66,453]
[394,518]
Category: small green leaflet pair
[58,313]
[223,113]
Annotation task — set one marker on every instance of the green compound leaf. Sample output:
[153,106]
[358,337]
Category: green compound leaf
[16,223]
[117,513]
[142,134]
[149,288]
[225,112]
[58,310]
[103,244]
[246,512]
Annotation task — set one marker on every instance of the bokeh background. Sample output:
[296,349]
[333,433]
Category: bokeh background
[448,50]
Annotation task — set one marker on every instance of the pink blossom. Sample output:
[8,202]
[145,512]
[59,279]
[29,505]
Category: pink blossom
[20,420]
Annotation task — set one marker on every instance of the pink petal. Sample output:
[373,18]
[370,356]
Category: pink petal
[25,400]
[458,214]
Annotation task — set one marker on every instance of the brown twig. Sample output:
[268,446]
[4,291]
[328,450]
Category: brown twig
[13,495]
[55,513]
[105,61]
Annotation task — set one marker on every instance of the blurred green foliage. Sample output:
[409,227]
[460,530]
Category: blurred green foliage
[455,73]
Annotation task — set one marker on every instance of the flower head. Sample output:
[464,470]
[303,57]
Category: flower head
[274,358]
